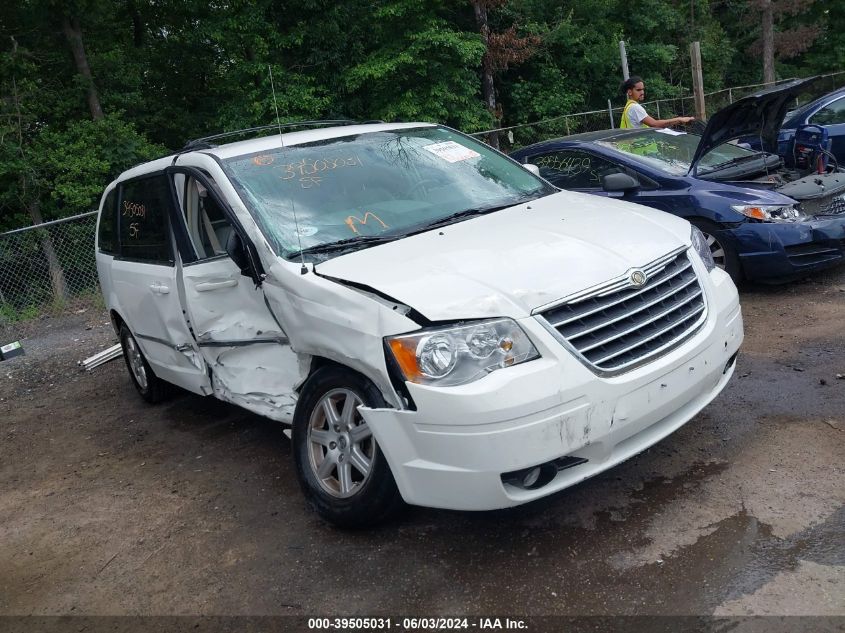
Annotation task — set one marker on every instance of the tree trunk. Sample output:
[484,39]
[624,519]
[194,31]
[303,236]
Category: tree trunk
[488,90]
[57,275]
[73,32]
[768,41]
[137,24]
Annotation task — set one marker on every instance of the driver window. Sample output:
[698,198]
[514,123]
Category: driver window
[207,225]
[572,169]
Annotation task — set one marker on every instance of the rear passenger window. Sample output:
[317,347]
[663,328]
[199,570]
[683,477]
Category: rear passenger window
[107,231]
[143,211]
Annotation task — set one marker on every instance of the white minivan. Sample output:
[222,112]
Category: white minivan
[437,324]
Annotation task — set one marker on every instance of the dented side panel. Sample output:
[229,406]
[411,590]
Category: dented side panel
[261,378]
[246,349]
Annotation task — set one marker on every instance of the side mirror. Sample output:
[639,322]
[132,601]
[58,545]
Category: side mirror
[235,249]
[619,182]
[532,168]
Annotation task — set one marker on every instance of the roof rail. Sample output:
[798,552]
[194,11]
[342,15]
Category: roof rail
[204,142]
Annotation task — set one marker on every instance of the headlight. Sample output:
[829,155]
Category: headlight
[699,243]
[769,213]
[456,355]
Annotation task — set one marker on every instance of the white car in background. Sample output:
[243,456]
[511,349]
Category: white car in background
[435,322]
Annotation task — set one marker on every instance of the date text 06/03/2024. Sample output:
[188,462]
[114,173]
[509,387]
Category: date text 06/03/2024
[413,624]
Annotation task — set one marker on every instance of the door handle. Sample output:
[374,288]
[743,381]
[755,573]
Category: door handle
[159,288]
[216,285]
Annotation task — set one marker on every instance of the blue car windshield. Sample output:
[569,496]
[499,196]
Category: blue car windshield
[671,152]
[354,191]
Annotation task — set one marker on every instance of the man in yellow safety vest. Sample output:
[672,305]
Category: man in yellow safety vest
[634,115]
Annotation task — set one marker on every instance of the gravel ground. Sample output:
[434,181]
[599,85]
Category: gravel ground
[110,506]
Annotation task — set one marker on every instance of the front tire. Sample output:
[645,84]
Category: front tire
[340,467]
[724,254]
[152,388]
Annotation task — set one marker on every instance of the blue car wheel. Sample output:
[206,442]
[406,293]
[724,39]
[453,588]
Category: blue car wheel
[724,254]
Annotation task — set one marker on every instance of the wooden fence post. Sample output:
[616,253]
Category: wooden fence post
[697,81]
[624,55]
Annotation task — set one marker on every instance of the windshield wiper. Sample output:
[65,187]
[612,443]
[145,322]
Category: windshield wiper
[734,161]
[371,240]
[351,242]
[466,213]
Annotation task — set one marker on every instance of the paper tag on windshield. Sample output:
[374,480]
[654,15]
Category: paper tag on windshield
[452,151]
[669,131]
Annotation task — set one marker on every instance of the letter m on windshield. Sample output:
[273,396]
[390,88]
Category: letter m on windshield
[352,219]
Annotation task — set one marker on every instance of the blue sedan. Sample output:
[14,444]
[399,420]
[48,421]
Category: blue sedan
[734,195]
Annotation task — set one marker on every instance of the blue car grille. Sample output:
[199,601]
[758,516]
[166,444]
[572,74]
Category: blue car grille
[827,205]
[836,206]
[619,330]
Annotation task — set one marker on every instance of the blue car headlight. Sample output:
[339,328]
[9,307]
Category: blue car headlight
[769,212]
[702,247]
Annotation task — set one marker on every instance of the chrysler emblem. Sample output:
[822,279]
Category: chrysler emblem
[638,278]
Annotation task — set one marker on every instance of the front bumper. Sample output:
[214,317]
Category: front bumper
[452,452]
[769,251]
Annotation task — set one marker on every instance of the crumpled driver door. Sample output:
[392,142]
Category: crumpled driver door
[248,353]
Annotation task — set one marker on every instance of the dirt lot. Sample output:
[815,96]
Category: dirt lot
[111,506]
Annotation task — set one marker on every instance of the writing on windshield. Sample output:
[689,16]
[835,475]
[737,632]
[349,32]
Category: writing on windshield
[380,183]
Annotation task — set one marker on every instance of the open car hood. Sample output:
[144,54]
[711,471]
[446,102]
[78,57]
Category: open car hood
[759,115]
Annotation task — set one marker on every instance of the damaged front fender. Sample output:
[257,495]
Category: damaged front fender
[336,322]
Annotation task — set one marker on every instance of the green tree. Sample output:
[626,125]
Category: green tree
[416,63]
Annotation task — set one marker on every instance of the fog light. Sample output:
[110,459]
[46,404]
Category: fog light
[534,477]
[531,477]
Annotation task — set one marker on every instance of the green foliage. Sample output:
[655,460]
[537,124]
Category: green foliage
[828,51]
[418,66]
[77,162]
[166,71]
[10,314]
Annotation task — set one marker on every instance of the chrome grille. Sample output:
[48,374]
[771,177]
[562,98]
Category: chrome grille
[616,329]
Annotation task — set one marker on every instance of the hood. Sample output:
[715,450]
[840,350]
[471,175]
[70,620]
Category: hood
[815,187]
[759,115]
[720,195]
[512,261]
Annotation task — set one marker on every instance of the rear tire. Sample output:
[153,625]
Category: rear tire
[340,467]
[152,388]
[724,254]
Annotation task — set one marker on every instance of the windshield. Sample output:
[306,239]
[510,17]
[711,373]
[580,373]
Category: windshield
[376,185]
[671,152]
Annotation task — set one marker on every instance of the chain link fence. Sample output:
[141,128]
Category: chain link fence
[47,265]
[516,136]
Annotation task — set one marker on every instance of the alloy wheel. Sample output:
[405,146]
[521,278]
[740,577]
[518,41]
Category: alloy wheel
[341,446]
[717,251]
[136,362]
